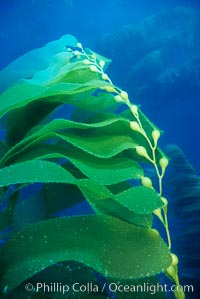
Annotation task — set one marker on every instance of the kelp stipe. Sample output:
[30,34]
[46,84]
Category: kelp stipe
[101,153]
[159,163]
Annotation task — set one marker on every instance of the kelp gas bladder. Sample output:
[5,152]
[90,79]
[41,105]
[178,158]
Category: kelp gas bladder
[93,154]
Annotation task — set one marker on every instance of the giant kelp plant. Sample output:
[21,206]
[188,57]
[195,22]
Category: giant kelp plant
[67,135]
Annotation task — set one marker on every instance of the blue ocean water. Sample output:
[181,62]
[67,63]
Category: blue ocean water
[154,46]
[29,24]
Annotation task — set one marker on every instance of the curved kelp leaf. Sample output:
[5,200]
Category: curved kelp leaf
[33,172]
[20,121]
[94,104]
[114,143]
[64,71]
[141,200]
[104,204]
[130,198]
[100,242]
[100,146]
[61,69]
[98,196]
[23,119]
[63,272]
[106,171]
[36,60]
[26,92]
[64,68]
[124,205]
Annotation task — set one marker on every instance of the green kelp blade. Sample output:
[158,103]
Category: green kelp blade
[27,65]
[100,146]
[64,68]
[34,171]
[93,104]
[43,132]
[108,146]
[48,172]
[100,242]
[25,93]
[69,273]
[106,171]
[87,137]
[75,72]
[104,202]
[20,121]
[140,199]
[60,71]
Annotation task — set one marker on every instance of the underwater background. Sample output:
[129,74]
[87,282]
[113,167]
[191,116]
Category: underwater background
[154,46]
[158,65]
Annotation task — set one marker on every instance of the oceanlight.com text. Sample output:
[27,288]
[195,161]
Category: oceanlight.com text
[58,287]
